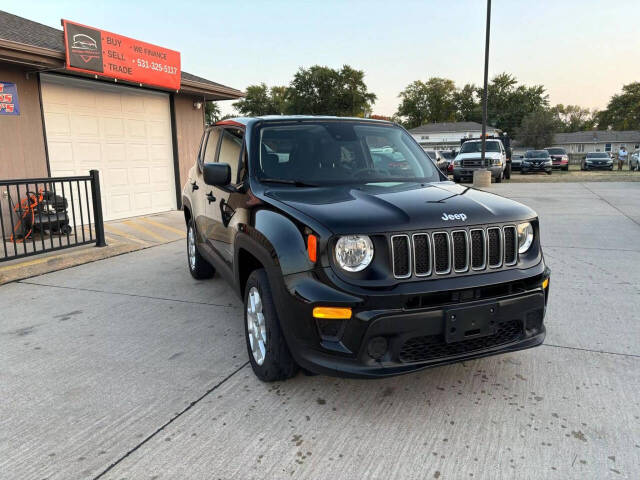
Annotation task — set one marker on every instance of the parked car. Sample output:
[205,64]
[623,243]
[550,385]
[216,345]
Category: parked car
[597,161]
[449,156]
[559,157]
[536,161]
[516,161]
[353,254]
[440,160]
[469,159]
[634,161]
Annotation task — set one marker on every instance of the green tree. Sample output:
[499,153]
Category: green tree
[322,90]
[508,103]
[623,110]
[537,129]
[211,112]
[573,118]
[428,102]
[260,100]
[467,102]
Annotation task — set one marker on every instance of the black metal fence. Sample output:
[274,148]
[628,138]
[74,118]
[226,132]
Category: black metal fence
[45,214]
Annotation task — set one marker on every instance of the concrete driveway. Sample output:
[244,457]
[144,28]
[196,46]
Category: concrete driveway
[127,368]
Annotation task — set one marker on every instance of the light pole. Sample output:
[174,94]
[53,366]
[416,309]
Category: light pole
[483,178]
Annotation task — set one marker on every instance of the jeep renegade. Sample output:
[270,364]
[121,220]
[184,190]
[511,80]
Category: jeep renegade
[353,253]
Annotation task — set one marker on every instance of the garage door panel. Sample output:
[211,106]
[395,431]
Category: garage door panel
[85,125]
[114,152]
[57,123]
[136,129]
[124,133]
[113,127]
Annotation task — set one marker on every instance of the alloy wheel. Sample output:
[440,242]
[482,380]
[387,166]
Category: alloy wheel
[256,327]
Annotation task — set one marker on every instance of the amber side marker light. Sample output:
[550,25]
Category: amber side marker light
[545,284]
[312,248]
[335,313]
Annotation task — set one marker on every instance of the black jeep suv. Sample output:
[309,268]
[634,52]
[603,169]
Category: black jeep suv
[353,253]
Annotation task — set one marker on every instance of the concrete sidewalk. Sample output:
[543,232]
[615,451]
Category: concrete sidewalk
[123,236]
[127,368]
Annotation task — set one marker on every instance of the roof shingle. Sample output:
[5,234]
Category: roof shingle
[458,127]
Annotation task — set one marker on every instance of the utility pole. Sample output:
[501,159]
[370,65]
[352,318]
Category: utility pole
[482,177]
[486,81]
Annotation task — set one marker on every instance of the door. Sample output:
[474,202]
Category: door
[220,211]
[201,193]
[123,132]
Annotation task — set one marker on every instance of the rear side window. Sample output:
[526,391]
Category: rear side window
[230,149]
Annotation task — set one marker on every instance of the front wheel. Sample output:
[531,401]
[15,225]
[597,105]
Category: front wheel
[198,266]
[268,351]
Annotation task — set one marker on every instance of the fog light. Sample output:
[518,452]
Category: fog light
[545,284]
[377,347]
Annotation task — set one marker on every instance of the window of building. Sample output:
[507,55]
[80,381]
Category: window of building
[607,147]
[424,137]
[581,147]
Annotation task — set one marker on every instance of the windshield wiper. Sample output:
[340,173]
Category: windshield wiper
[285,181]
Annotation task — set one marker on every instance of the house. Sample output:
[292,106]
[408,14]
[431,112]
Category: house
[57,119]
[447,135]
[597,141]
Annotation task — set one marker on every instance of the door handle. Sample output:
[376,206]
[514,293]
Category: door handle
[194,186]
[210,197]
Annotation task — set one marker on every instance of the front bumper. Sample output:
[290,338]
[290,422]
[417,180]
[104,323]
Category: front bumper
[467,173]
[599,166]
[531,167]
[393,334]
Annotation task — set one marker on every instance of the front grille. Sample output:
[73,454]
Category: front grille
[472,163]
[441,252]
[422,254]
[510,245]
[460,251]
[401,256]
[453,252]
[419,349]
[493,235]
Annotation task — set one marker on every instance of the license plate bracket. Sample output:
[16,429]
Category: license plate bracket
[467,323]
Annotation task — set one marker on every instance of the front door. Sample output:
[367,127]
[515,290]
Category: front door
[219,211]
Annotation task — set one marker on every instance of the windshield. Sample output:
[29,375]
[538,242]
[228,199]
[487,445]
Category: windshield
[598,155]
[476,147]
[334,152]
[556,151]
[537,154]
[447,155]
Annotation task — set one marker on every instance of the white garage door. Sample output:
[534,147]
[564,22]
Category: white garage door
[123,132]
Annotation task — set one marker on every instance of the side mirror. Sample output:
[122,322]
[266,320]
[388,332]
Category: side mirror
[217,174]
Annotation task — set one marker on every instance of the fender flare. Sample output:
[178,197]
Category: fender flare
[275,241]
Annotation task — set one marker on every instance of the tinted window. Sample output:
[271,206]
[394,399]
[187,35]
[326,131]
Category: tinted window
[537,154]
[556,151]
[212,145]
[341,152]
[598,155]
[230,149]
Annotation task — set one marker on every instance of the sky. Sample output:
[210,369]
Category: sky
[583,51]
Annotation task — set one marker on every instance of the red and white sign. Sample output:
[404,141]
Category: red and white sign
[107,54]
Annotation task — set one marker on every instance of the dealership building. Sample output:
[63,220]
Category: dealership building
[126,109]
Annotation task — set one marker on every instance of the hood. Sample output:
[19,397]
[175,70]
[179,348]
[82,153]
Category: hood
[492,155]
[399,207]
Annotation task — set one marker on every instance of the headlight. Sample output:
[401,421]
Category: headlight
[525,237]
[354,252]
[456,163]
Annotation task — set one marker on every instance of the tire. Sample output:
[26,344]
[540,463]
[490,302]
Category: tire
[566,169]
[199,268]
[272,360]
[549,172]
[456,179]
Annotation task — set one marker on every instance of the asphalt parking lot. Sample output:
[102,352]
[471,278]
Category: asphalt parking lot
[126,368]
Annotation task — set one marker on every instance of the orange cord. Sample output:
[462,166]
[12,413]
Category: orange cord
[26,205]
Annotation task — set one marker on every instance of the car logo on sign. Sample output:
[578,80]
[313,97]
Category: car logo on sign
[454,216]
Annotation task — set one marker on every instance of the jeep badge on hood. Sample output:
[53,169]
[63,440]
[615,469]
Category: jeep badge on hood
[454,216]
